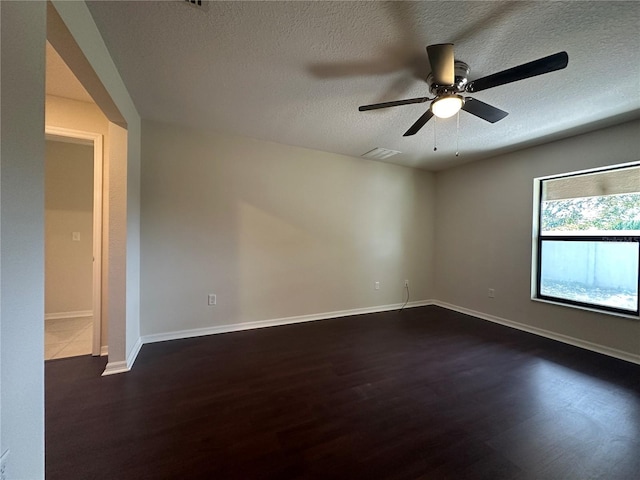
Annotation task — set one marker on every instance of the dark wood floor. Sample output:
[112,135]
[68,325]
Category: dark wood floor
[423,393]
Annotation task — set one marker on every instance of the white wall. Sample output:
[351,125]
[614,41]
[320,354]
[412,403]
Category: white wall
[68,208]
[22,237]
[274,231]
[484,234]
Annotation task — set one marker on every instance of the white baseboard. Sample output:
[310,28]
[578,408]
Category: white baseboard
[115,367]
[104,350]
[77,314]
[133,354]
[123,366]
[236,327]
[576,342]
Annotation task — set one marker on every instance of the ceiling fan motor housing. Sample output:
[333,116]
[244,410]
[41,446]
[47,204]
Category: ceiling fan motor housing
[461,75]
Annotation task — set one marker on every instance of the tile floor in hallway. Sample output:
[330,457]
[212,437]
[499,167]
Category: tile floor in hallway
[67,337]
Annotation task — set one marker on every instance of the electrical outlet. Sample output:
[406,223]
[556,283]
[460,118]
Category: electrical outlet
[376,285]
[492,293]
[406,283]
[3,465]
[211,299]
[75,236]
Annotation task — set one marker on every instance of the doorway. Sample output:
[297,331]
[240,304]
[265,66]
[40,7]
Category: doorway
[73,243]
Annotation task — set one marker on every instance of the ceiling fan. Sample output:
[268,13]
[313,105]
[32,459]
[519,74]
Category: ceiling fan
[448,82]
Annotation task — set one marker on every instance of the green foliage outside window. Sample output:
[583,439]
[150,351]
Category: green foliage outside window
[613,212]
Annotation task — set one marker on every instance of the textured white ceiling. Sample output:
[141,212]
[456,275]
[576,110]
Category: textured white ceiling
[60,81]
[296,72]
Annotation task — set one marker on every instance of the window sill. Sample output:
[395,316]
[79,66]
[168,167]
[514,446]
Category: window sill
[580,307]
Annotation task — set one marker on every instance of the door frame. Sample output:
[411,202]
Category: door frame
[95,140]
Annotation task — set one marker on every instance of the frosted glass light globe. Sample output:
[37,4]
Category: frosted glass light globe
[448,106]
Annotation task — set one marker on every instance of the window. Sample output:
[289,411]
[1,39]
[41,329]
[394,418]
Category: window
[587,248]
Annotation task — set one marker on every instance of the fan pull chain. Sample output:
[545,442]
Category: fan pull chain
[458,134]
[435,121]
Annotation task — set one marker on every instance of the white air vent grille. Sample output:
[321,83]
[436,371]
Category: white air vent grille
[380,153]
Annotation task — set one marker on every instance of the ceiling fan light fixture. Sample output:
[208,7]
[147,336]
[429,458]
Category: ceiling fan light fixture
[448,81]
[447,105]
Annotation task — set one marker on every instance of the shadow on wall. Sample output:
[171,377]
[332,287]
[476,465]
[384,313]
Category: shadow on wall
[316,230]
[274,231]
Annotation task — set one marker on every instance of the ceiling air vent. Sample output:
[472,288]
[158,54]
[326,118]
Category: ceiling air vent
[201,5]
[380,154]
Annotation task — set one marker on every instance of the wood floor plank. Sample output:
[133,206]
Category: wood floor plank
[423,393]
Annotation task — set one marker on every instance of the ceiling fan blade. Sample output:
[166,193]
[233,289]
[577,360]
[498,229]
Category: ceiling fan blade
[483,110]
[419,123]
[554,62]
[393,104]
[441,60]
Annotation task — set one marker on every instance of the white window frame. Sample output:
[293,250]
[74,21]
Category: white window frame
[536,242]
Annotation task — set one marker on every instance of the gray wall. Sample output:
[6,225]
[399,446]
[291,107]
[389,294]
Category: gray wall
[278,231]
[274,231]
[22,238]
[484,235]
[68,209]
